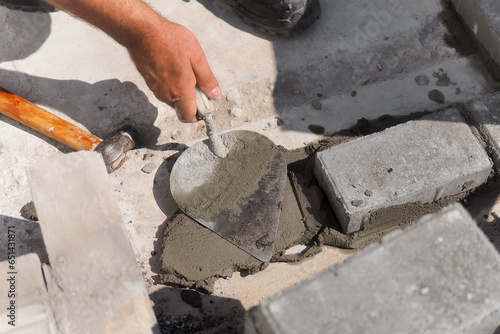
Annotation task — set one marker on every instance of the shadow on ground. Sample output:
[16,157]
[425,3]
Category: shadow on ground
[22,33]
[186,311]
[101,107]
[28,238]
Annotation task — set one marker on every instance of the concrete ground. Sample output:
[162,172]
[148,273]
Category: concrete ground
[362,59]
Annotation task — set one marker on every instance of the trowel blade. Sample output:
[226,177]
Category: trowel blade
[238,197]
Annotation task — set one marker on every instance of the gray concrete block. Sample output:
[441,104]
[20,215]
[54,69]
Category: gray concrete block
[441,275]
[485,114]
[481,16]
[25,301]
[419,161]
[93,279]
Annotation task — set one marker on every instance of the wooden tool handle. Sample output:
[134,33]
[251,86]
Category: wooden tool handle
[46,123]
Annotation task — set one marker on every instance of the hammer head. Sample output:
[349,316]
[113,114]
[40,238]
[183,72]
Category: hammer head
[115,148]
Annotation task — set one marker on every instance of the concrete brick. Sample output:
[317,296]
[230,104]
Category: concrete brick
[485,114]
[422,160]
[481,16]
[93,279]
[441,275]
[33,313]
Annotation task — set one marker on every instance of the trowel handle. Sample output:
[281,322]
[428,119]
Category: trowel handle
[203,104]
[205,112]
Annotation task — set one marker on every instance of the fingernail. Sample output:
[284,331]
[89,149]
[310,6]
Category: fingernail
[215,93]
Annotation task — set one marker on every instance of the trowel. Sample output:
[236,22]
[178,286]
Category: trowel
[233,184]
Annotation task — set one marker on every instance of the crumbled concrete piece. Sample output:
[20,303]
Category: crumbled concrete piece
[419,161]
[481,17]
[236,112]
[176,134]
[24,297]
[95,283]
[440,275]
[233,95]
[485,113]
[149,168]
[28,211]
[317,105]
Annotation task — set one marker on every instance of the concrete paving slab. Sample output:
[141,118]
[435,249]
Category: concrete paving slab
[485,113]
[95,284]
[81,75]
[26,306]
[482,18]
[440,275]
[419,161]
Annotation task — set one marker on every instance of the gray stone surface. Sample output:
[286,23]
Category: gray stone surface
[80,74]
[439,276]
[485,113]
[93,279]
[33,313]
[422,160]
[483,19]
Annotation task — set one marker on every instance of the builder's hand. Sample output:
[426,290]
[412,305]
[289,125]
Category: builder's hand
[166,54]
[173,64]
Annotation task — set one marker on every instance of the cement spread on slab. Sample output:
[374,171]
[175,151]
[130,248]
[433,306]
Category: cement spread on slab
[195,257]
[241,195]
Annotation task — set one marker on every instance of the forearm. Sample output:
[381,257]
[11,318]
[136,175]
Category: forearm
[126,21]
[167,55]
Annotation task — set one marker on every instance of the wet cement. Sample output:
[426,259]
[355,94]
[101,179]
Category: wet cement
[195,257]
[238,196]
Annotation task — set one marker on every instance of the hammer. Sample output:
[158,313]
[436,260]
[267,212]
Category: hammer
[113,149]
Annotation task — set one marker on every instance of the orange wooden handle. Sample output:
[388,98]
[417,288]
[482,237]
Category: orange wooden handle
[46,123]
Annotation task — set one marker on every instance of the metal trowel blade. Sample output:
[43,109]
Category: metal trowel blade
[238,197]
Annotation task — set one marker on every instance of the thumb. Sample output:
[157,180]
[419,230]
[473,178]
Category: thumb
[206,80]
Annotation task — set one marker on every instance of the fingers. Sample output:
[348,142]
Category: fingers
[173,64]
[185,106]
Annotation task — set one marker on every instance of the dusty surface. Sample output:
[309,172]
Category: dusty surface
[294,91]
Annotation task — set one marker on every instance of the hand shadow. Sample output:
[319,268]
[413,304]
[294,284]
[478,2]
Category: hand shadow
[102,107]
[22,33]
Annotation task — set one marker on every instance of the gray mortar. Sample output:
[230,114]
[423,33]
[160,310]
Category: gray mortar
[240,197]
[195,257]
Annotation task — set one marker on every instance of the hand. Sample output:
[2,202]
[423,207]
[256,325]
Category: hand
[172,63]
